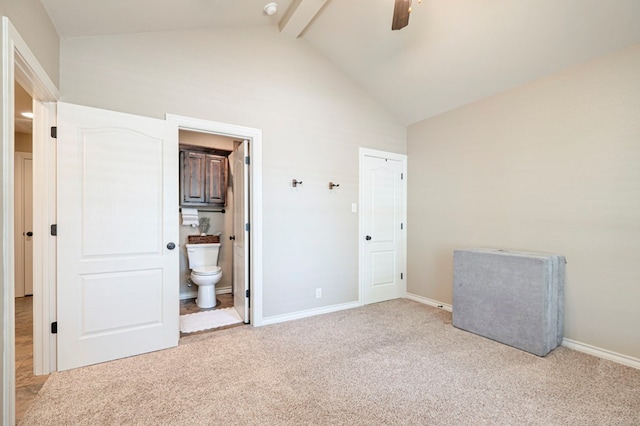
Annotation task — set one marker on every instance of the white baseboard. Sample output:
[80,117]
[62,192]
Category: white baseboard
[602,353]
[189,295]
[309,313]
[430,302]
[194,293]
[571,344]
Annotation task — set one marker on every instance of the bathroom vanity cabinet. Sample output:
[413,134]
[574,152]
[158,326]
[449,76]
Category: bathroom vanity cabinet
[203,177]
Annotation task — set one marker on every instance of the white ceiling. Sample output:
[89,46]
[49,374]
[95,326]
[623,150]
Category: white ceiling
[79,18]
[452,53]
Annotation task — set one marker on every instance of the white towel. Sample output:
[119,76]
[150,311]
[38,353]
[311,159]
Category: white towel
[190,217]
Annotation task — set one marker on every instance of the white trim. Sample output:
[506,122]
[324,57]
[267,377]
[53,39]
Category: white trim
[309,313]
[194,293]
[224,290]
[602,353]
[362,153]
[255,214]
[7,220]
[568,343]
[430,302]
[19,64]
[189,295]
[28,71]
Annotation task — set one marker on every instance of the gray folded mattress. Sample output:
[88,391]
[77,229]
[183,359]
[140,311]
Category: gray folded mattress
[515,298]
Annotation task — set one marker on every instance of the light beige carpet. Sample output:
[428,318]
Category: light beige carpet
[391,363]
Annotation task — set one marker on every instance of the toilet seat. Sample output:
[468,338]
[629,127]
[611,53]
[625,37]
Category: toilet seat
[206,270]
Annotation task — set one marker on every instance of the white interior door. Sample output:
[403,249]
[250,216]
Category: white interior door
[23,211]
[118,263]
[241,231]
[382,224]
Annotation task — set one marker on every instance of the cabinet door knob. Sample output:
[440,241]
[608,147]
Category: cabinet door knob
[171,246]
[29,234]
[368,238]
[232,238]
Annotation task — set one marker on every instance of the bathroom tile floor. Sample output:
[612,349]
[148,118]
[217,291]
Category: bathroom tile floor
[27,385]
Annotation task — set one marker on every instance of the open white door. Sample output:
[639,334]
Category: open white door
[241,231]
[382,209]
[117,235]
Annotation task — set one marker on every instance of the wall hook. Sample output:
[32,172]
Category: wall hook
[295,182]
[333,185]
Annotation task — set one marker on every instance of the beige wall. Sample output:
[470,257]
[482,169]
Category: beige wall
[33,24]
[313,120]
[552,166]
[23,142]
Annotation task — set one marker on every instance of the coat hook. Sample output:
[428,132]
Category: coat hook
[296,182]
[333,185]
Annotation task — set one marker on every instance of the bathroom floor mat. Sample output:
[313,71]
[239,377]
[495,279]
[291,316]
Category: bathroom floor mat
[206,320]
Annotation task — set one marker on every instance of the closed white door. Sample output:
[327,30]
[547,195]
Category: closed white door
[382,225]
[23,211]
[117,235]
[241,231]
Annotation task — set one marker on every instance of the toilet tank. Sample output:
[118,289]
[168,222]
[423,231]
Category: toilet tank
[203,254]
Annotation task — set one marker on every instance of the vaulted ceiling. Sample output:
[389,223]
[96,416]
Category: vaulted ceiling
[452,53]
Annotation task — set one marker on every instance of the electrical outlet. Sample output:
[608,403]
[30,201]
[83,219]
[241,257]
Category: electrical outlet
[318,293]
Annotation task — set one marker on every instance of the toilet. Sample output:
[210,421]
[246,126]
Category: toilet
[205,272]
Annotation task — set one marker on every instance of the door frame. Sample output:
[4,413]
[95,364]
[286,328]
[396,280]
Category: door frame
[254,136]
[362,153]
[21,65]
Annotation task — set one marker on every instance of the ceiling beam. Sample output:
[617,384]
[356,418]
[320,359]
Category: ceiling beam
[299,16]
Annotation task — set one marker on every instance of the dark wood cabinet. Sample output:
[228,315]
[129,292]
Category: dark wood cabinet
[216,179]
[203,177]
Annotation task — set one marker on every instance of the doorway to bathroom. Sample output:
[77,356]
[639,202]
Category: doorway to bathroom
[214,210]
[239,227]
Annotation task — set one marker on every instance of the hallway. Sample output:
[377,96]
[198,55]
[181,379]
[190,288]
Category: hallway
[27,385]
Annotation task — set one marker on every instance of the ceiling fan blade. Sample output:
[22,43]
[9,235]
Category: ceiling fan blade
[401,11]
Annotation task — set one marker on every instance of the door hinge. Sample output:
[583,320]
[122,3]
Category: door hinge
[401,275]
[401,176]
[54,132]
[54,327]
[246,227]
[246,160]
[54,230]
[402,226]
[247,293]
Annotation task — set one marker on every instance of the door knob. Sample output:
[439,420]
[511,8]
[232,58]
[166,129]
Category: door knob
[171,246]
[233,237]
[368,237]
[29,234]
